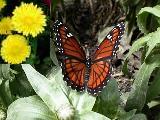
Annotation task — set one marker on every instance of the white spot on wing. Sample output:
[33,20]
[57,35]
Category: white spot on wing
[109,36]
[69,35]
[119,25]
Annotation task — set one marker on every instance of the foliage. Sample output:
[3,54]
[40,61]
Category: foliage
[58,101]
[55,100]
[145,88]
[132,8]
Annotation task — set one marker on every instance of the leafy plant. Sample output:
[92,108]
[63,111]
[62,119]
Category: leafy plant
[6,97]
[55,100]
[145,90]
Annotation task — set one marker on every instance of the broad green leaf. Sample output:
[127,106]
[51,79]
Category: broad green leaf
[139,117]
[143,16]
[82,102]
[53,53]
[52,95]
[137,97]
[21,86]
[5,93]
[6,76]
[127,115]
[120,112]
[92,116]
[153,42]
[154,89]
[108,101]
[29,108]
[56,78]
[153,104]
[4,71]
[139,44]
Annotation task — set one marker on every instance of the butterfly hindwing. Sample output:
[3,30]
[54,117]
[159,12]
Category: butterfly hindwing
[99,74]
[72,57]
[74,73]
[101,61]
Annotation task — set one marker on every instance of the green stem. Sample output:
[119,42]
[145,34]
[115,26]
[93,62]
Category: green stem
[5,94]
[35,47]
[34,44]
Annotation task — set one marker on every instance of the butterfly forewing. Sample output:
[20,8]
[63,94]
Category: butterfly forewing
[109,45]
[72,57]
[67,43]
[101,68]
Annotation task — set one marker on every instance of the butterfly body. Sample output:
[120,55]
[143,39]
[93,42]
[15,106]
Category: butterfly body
[82,68]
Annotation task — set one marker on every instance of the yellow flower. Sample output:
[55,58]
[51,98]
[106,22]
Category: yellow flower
[29,19]
[15,49]
[6,25]
[2,4]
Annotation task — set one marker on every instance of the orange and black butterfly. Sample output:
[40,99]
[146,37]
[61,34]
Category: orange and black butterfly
[84,71]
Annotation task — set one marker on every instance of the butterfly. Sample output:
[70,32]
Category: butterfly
[83,71]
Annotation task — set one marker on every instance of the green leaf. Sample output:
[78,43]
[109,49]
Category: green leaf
[127,115]
[53,53]
[139,44]
[54,3]
[5,77]
[29,108]
[143,15]
[154,105]
[125,68]
[107,102]
[137,97]
[5,72]
[5,93]
[154,89]
[139,117]
[92,116]
[21,86]
[153,42]
[56,78]
[81,101]
[52,95]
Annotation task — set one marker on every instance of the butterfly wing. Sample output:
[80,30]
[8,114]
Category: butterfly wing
[101,68]
[72,57]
